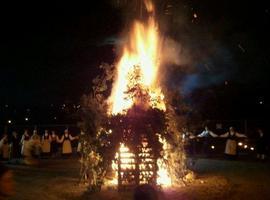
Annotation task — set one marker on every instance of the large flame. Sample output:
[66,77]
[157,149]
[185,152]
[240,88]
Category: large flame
[138,67]
[137,70]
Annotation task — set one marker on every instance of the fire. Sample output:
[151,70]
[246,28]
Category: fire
[164,178]
[138,68]
[136,83]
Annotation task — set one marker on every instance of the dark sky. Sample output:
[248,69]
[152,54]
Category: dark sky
[50,53]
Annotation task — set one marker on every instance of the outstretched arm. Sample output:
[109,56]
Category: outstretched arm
[213,134]
[202,134]
[240,135]
[224,135]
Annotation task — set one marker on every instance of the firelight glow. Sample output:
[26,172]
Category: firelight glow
[138,66]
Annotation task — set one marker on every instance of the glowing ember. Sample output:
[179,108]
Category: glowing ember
[138,68]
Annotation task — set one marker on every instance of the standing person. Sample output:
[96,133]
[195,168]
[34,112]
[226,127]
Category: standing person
[261,144]
[206,134]
[54,143]
[6,183]
[231,142]
[25,142]
[35,139]
[46,143]
[80,143]
[66,143]
[188,139]
[4,147]
[15,145]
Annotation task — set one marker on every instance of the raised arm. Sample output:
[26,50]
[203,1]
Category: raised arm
[224,135]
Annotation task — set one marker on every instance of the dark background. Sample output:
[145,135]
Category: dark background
[50,54]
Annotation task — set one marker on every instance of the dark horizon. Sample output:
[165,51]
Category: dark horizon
[49,59]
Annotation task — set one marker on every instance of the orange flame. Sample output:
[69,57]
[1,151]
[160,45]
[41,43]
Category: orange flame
[138,68]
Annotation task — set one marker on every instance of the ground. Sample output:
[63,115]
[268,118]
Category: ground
[216,179]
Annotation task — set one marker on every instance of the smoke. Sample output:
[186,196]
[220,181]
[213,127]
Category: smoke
[189,68]
[193,56]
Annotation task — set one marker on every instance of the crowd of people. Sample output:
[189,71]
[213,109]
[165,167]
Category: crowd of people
[49,144]
[231,147]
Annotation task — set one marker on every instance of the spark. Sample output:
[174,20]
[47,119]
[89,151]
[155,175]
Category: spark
[242,49]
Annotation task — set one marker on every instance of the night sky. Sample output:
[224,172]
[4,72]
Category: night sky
[50,53]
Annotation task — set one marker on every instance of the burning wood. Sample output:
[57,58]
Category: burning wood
[139,128]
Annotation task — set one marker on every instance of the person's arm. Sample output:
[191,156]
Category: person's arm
[240,135]
[213,134]
[1,143]
[22,139]
[203,134]
[60,140]
[71,137]
[224,135]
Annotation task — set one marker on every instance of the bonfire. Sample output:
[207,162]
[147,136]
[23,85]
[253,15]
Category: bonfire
[132,137]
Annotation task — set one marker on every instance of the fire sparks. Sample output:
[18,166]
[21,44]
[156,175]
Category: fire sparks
[138,68]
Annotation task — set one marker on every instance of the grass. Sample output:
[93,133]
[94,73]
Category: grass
[217,179]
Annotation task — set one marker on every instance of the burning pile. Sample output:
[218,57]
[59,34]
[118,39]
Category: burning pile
[136,86]
[140,128]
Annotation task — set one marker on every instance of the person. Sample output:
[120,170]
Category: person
[26,145]
[46,143]
[54,143]
[206,134]
[189,141]
[35,139]
[6,182]
[231,142]
[15,145]
[261,145]
[145,192]
[4,147]
[66,143]
[80,146]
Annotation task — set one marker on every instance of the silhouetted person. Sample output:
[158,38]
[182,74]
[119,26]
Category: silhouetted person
[6,183]
[261,145]
[145,192]
[15,145]
[206,134]
[54,143]
[4,147]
